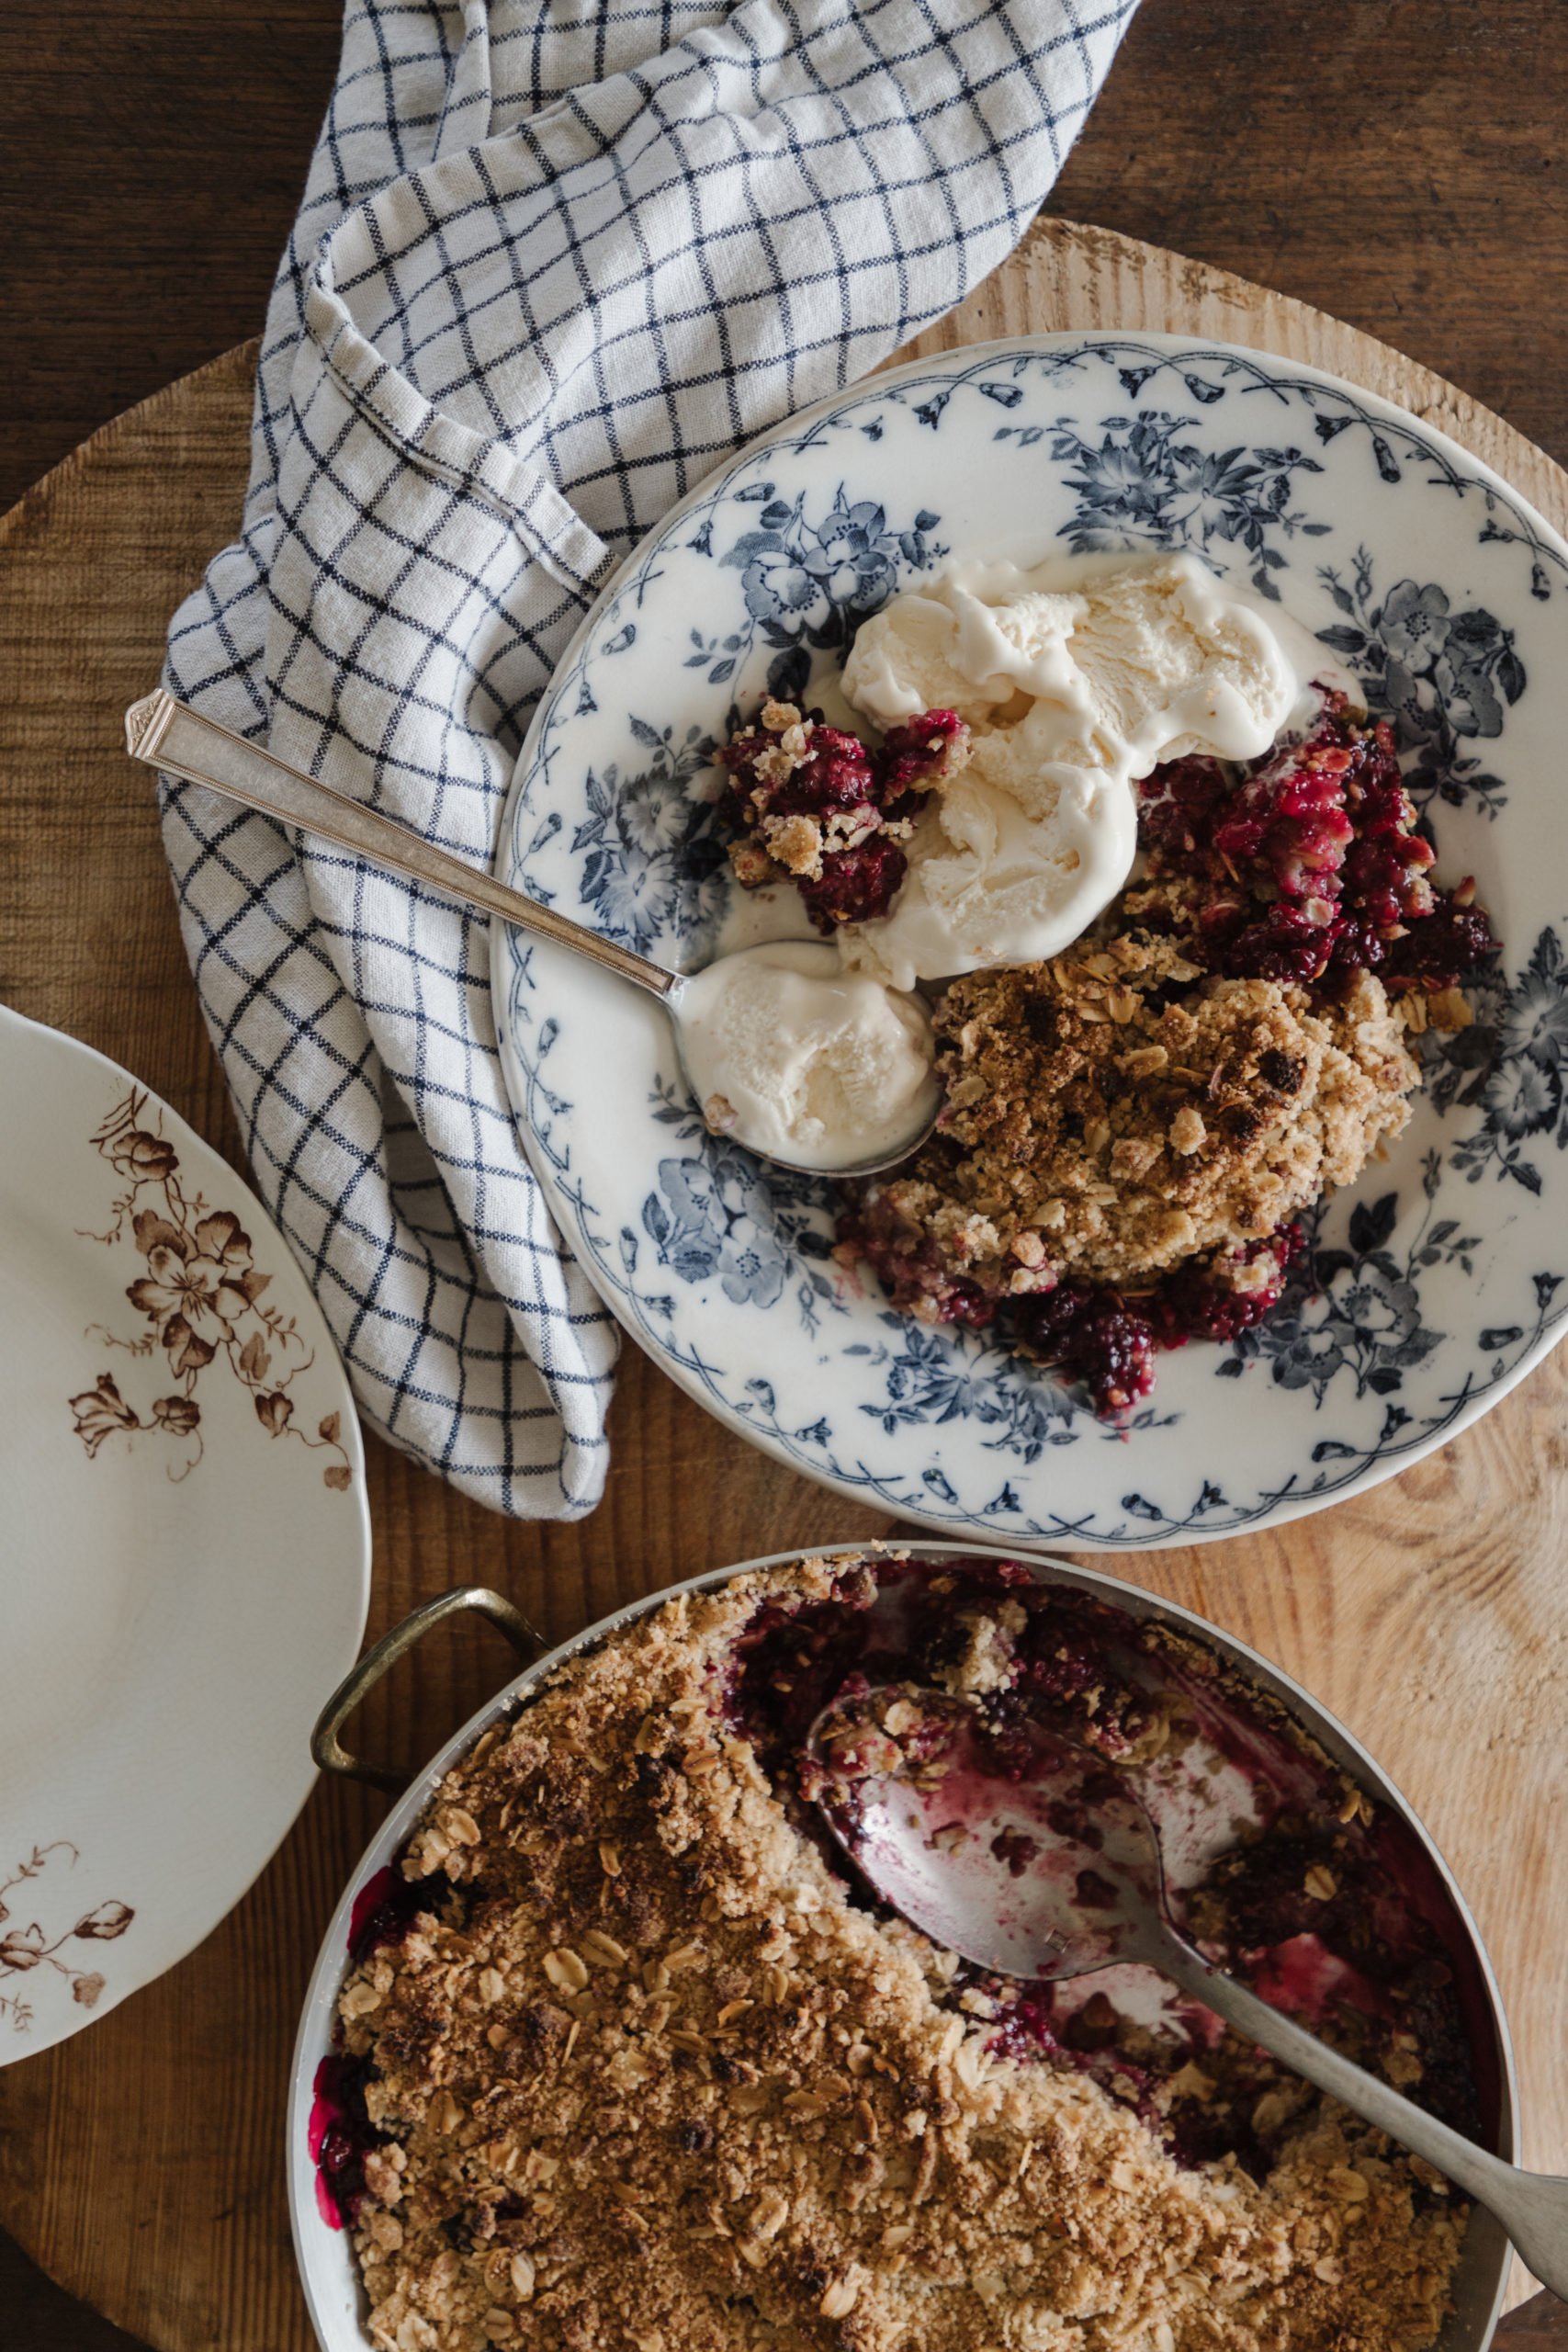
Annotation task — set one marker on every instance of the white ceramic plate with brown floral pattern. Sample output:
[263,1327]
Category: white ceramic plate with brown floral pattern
[185,1548]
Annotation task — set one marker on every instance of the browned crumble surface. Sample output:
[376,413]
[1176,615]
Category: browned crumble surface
[1102,1127]
[667,2092]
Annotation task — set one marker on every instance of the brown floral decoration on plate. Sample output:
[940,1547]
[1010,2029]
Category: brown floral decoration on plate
[202,1300]
[25,1948]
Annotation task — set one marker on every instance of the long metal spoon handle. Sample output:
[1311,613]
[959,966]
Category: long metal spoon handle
[169,735]
[1531,2206]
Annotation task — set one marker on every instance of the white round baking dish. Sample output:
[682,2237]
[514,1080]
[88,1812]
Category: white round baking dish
[326,2262]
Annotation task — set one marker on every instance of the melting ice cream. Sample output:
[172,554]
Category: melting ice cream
[805,1062]
[1076,679]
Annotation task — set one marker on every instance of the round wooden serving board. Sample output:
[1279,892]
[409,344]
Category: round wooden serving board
[142,2163]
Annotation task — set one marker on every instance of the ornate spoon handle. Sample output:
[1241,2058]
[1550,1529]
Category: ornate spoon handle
[1531,2206]
[169,735]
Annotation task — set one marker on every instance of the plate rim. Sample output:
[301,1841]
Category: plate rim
[1463,464]
[86,1061]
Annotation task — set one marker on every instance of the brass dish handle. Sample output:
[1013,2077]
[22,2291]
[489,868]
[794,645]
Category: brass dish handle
[327,1750]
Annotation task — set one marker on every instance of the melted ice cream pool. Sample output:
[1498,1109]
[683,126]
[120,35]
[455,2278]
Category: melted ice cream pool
[805,1062]
[1077,678]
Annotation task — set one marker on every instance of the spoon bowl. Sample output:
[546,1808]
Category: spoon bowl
[1052,1872]
[168,735]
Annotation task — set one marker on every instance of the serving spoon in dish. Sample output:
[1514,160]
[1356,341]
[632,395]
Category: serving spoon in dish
[1057,1873]
[167,734]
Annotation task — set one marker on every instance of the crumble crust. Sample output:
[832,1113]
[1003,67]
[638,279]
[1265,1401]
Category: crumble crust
[644,2079]
[1114,1111]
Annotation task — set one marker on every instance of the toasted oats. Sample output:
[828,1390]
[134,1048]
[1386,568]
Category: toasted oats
[1450,1009]
[702,2103]
[1187,1133]
[769,2215]
[1130,1129]
[842,2296]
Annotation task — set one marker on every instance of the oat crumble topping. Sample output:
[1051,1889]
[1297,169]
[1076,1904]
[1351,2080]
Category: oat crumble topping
[643,2076]
[1114,1111]
[1132,1127]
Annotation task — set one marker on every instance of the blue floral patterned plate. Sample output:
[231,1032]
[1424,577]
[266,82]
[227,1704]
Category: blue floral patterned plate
[1440,1280]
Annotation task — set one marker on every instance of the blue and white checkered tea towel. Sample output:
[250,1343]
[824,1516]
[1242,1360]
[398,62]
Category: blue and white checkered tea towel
[556,260]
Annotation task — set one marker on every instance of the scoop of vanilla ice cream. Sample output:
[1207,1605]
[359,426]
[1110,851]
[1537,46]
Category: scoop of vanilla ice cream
[807,1062]
[991,883]
[1076,679]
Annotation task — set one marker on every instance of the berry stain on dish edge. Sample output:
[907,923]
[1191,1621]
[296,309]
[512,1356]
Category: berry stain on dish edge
[1431,1291]
[603,2024]
[383,1914]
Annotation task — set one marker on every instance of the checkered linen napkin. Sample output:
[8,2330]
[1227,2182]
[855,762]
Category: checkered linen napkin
[556,260]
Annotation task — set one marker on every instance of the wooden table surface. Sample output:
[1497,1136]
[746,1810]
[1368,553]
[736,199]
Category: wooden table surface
[1398,162]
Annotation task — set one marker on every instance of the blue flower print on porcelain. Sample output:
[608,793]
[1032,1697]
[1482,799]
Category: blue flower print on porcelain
[1146,483]
[716,1209]
[1434,1284]
[808,586]
[1507,1070]
[712,1214]
[651,859]
[1446,677]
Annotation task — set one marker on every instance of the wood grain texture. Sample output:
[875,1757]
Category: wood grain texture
[1397,161]
[141,2163]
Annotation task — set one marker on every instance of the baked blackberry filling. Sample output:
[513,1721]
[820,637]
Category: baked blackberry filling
[812,803]
[1133,1129]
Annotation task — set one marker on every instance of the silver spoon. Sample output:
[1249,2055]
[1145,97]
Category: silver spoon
[167,734]
[1075,1885]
